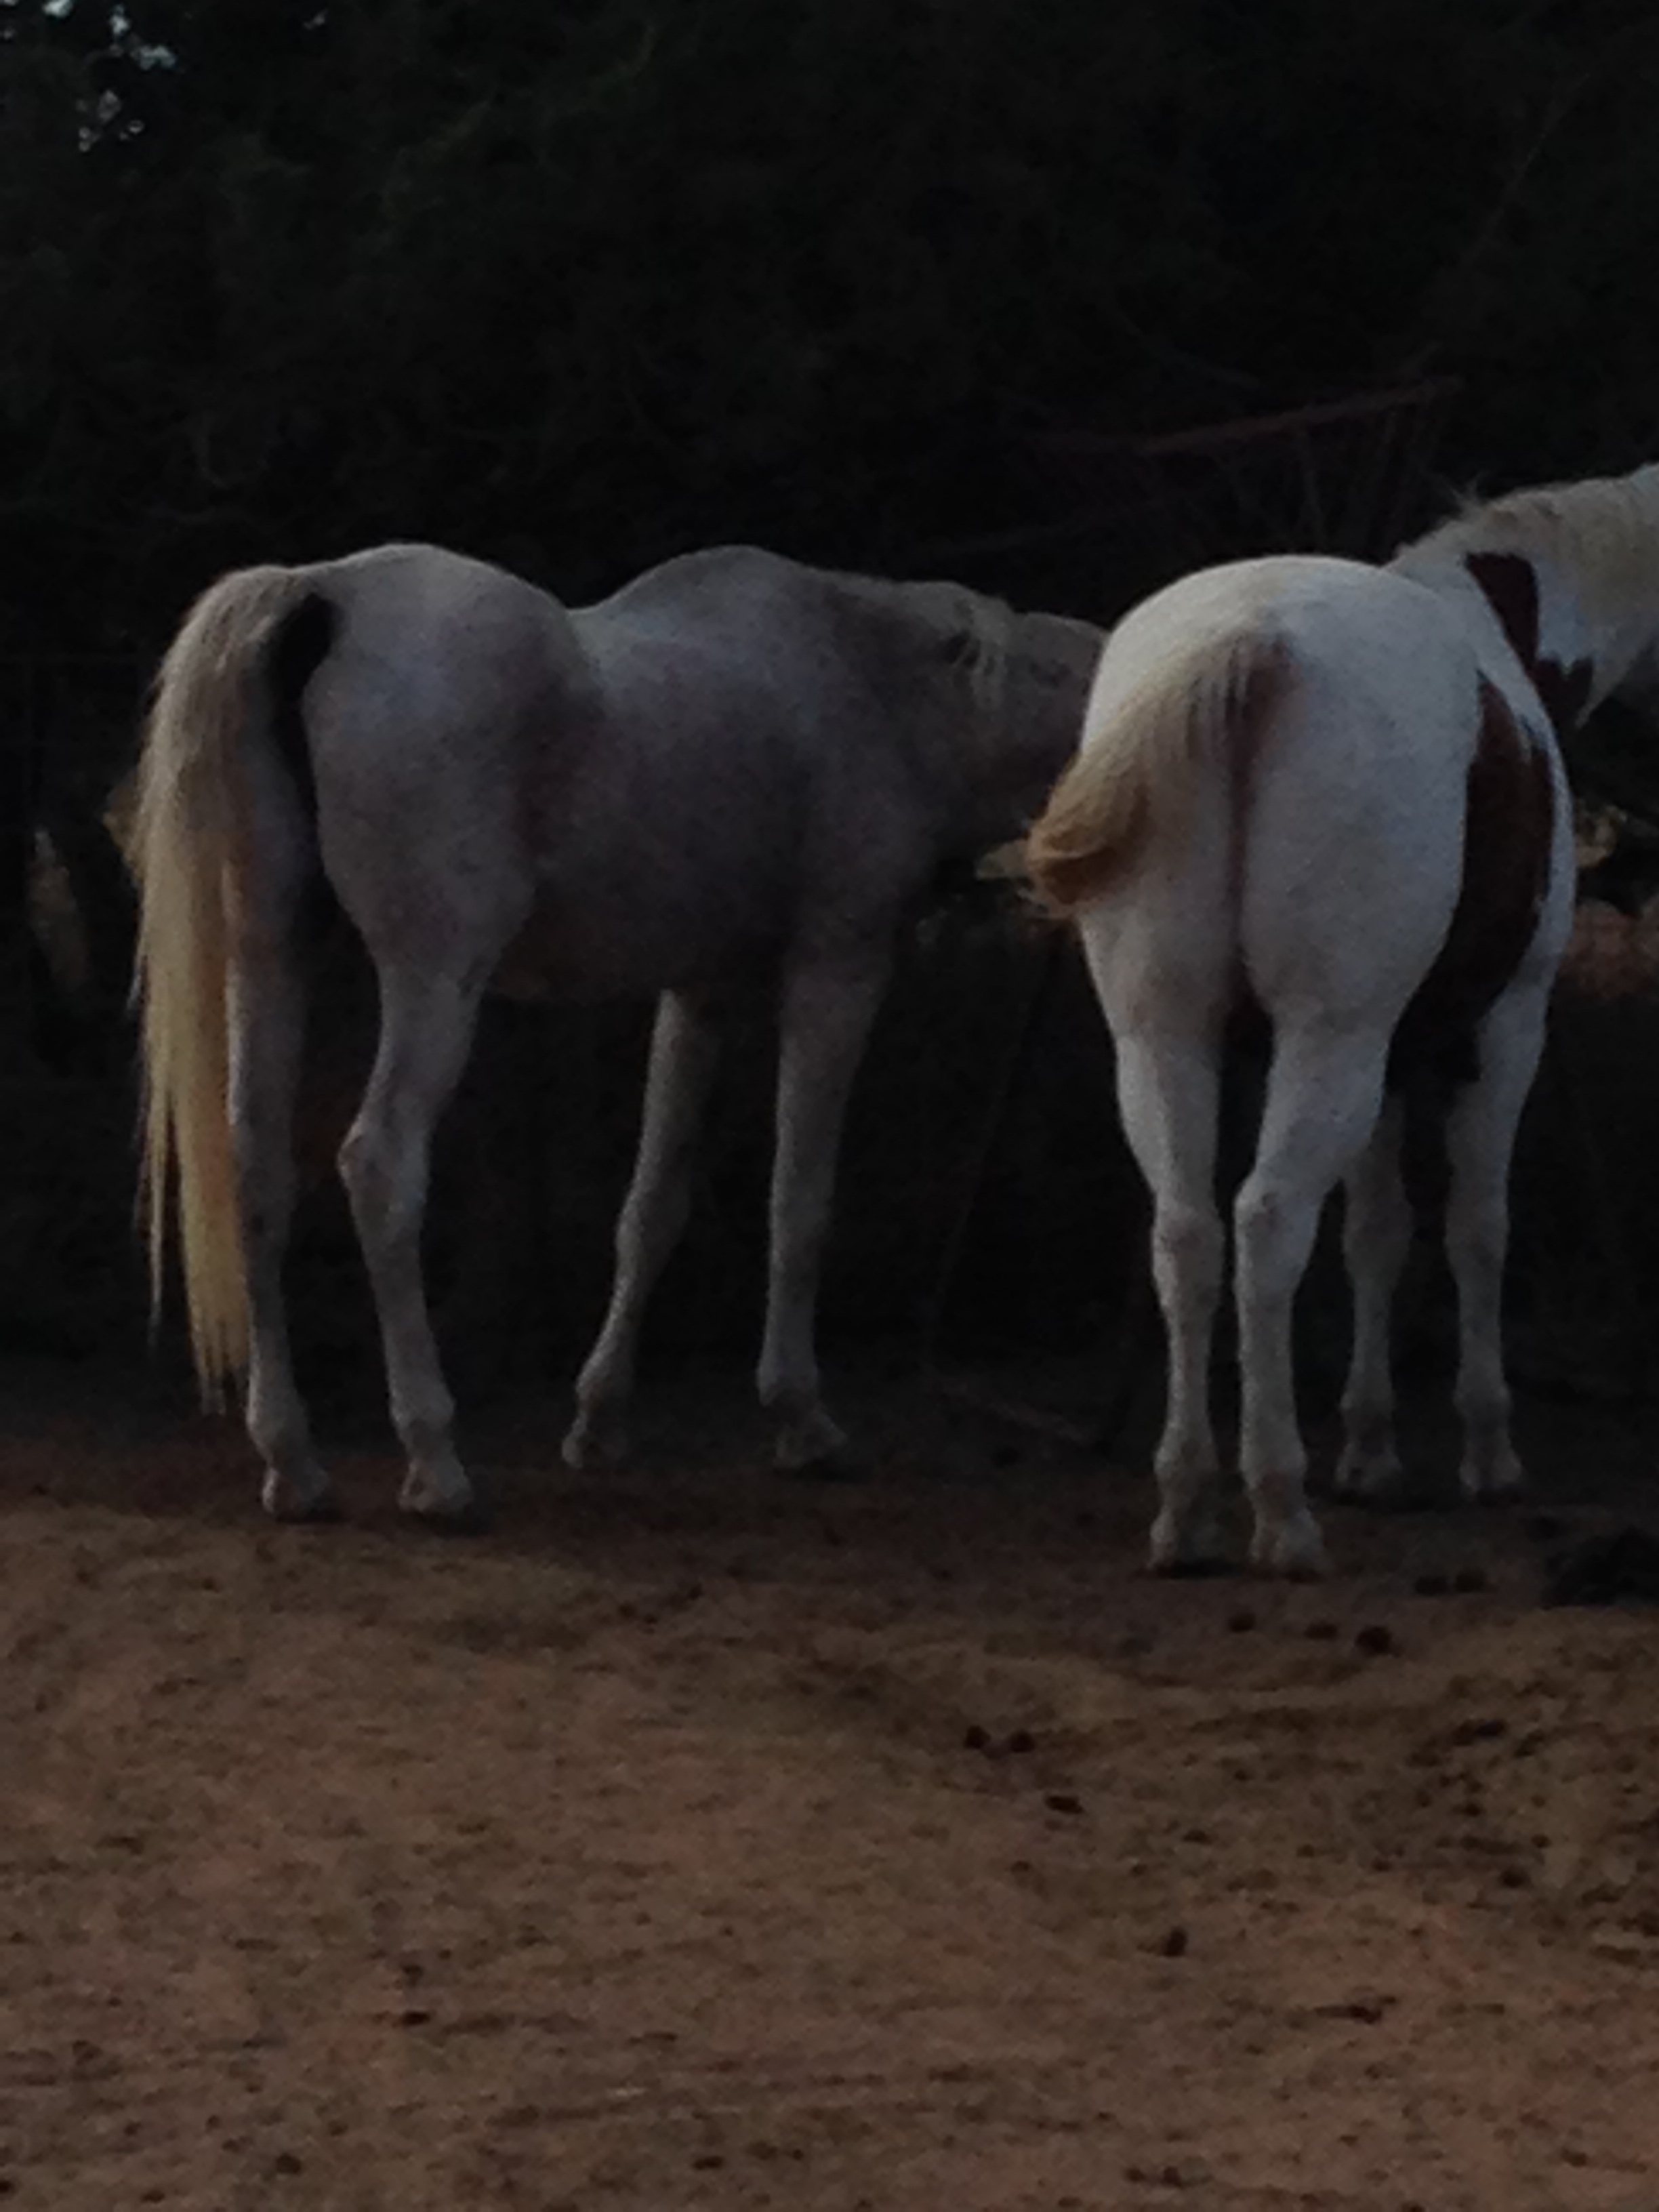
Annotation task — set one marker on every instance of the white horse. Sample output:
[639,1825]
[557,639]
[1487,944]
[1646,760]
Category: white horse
[1332,796]
[735,762]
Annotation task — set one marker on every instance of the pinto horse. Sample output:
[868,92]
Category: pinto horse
[734,762]
[1328,799]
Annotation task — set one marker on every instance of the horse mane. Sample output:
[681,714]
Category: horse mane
[970,628]
[988,623]
[1603,533]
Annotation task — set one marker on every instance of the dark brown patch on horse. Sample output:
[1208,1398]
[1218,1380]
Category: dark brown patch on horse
[1508,839]
[1510,584]
[1565,692]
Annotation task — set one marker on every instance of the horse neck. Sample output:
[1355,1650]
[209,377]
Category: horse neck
[1582,619]
[1031,728]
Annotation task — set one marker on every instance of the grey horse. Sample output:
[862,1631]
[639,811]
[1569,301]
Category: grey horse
[735,762]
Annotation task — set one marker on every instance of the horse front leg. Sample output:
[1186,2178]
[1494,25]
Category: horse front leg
[829,1007]
[684,1056]
[426,1022]
[1480,1132]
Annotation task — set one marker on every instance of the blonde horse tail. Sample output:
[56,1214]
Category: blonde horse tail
[1146,754]
[190,852]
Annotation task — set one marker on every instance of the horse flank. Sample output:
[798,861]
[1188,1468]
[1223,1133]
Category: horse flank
[1144,757]
[188,837]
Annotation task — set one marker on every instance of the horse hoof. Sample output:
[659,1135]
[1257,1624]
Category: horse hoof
[1291,1550]
[594,1441]
[1495,1486]
[1386,1489]
[1365,1479]
[810,1444]
[843,1464]
[1490,1473]
[471,1519]
[446,1512]
[295,1504]
[1186,1554]
[1189,1567]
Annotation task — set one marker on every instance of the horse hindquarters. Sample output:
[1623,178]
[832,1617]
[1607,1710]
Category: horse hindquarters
[1141,841]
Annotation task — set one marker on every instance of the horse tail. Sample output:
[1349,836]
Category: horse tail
[191,851]
[1148,750]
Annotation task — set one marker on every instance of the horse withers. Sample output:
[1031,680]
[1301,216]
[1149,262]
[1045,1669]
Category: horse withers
[735,762]
[1329,798]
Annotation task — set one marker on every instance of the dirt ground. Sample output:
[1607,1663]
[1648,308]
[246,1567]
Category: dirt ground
[703,1839]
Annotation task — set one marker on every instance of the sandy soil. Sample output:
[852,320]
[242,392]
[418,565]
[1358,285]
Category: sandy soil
[702,1840]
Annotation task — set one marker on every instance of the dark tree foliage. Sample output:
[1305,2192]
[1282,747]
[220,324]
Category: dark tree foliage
[576,282]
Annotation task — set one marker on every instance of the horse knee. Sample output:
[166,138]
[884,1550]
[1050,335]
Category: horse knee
[1188,1248]
[1273,1229]
[1476,1238]
[361,1164]
[385,1199]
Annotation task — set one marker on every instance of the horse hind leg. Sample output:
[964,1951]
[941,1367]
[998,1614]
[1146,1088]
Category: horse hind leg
[1480,1131]
[1169,1097]
[267,1026]
[1324,1094]
[1377,1235]
[684,1056]
[427,1021]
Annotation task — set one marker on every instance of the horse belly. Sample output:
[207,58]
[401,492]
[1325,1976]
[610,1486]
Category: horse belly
[617,947]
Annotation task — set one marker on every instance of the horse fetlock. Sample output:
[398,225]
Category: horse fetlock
[1288,1543]
[598,1437]
[1185,1542]
[1492,1470]
[811,1440]
[1187,1535]
[438,1491]
[1370,1467]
